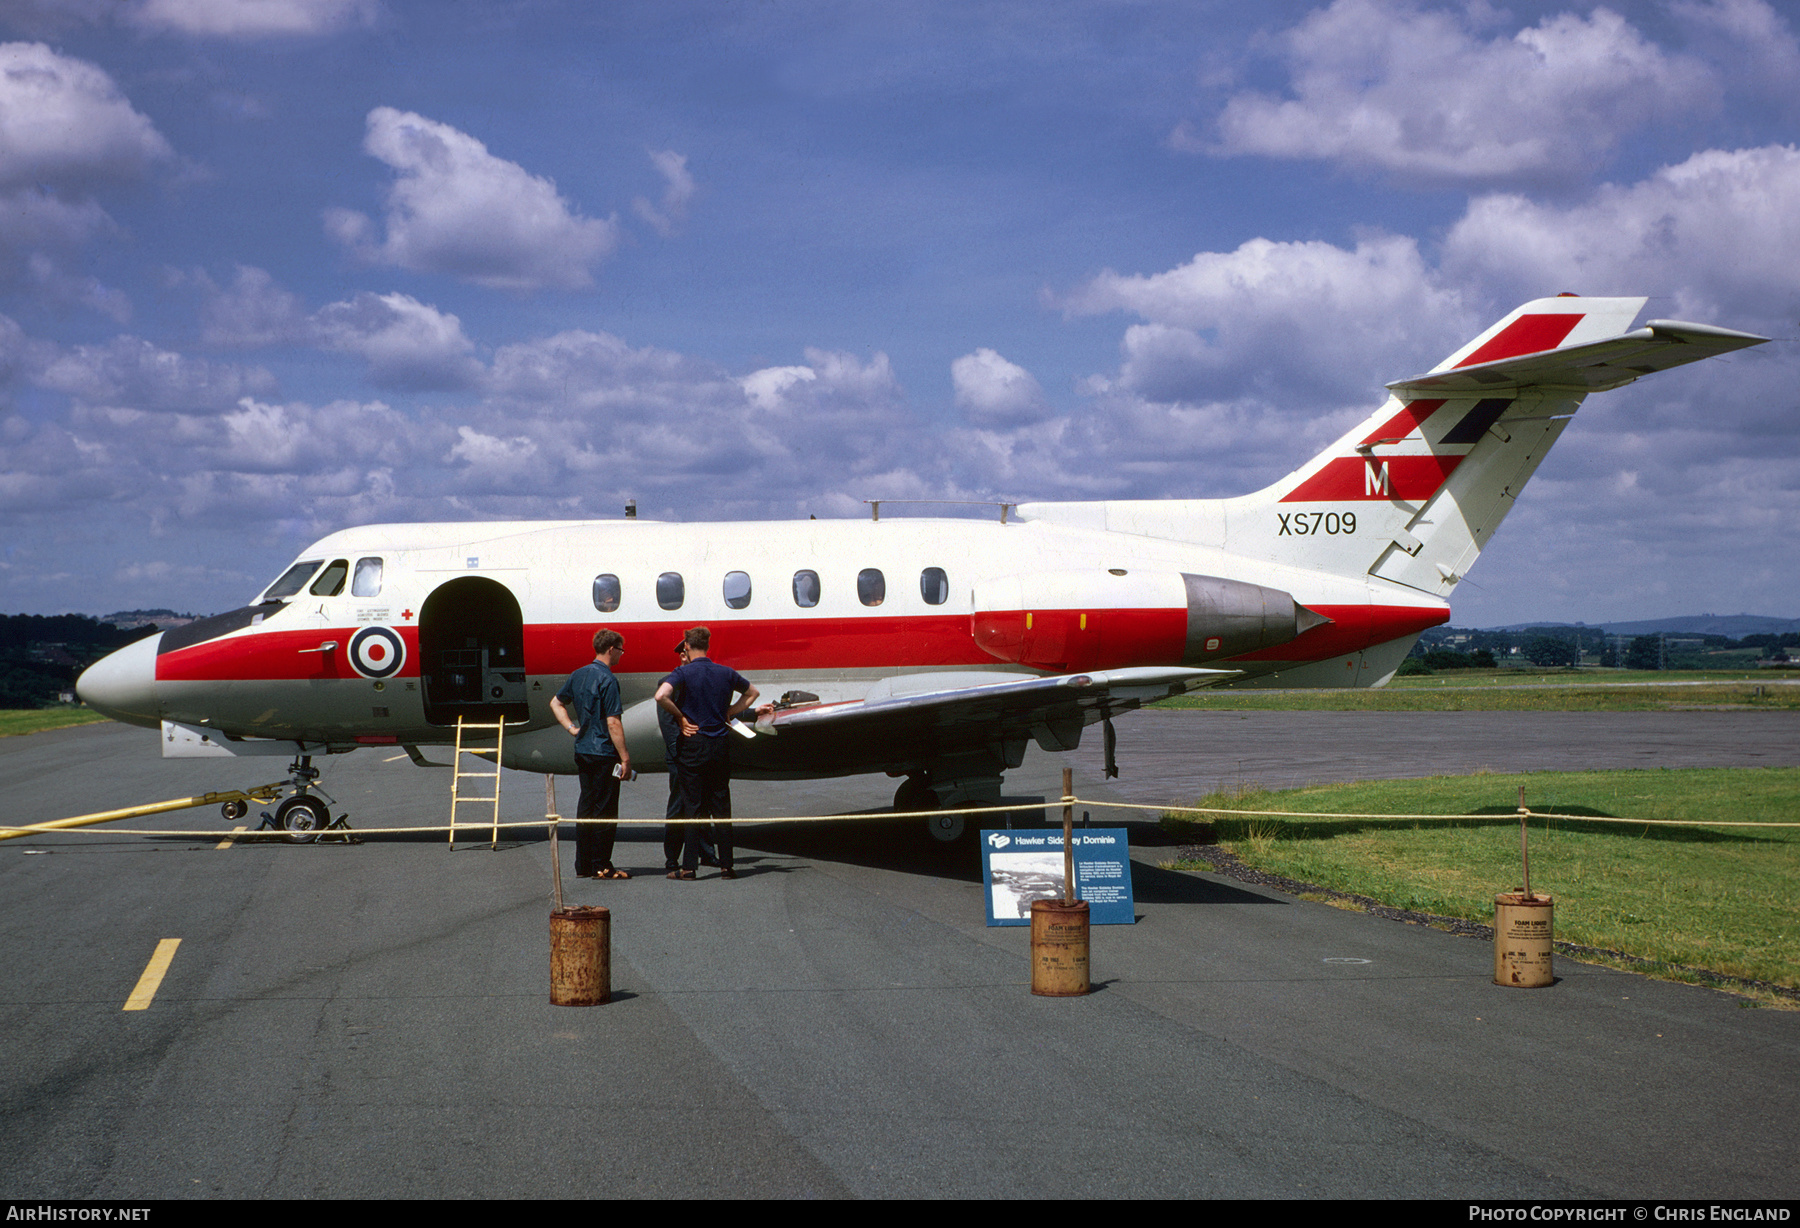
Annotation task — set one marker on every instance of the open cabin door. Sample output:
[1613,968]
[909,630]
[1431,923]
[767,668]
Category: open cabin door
[472,653]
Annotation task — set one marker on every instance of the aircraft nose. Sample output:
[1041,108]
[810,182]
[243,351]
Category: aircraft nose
[123,684]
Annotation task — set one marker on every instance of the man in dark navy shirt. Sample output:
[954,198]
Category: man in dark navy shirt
[588,706]
[706,710]
[674,831]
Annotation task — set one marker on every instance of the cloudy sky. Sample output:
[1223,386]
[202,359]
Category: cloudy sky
[269,268]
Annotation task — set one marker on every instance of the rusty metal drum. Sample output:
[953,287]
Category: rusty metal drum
[580,956]
[1522,938]
[1059,948]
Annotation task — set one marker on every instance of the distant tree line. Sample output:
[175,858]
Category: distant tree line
[1562,647]
[42,655]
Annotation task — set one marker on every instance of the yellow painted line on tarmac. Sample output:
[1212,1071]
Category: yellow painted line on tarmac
[152,979]
[230,840]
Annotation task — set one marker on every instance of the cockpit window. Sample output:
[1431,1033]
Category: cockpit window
[292,580]
[368,578]
[331,581]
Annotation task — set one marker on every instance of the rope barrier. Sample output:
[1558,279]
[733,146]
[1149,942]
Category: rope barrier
[1065,800]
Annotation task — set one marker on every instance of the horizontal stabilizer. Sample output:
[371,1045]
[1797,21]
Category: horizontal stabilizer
[1593,367]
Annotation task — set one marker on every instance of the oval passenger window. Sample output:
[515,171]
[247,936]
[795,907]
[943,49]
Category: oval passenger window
[806,589]
[871,586]
[670,591]
[934,586]
[737,589]
[606,593]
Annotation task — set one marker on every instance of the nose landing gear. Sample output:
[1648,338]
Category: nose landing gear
[306,815]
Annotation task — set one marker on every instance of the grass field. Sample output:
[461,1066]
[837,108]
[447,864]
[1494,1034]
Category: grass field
[1517,690]
[32,720]
[1725,899]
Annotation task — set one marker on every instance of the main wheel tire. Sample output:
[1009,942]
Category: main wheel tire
[302,818]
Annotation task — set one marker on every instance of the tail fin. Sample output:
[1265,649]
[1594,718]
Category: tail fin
[1415,491]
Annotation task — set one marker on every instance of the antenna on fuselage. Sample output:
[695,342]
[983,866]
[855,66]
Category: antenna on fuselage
[631,509]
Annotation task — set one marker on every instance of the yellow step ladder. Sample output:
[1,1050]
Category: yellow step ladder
[476,729]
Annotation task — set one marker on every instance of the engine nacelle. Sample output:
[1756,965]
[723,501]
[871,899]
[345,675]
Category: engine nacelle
[1095,619]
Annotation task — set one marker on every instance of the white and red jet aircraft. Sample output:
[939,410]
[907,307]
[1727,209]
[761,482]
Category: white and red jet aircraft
[924,648]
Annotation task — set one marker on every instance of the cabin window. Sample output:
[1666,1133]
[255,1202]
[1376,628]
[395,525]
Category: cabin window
[806,589]
[871,586]
[368,578]
[606,593]
[331,581]
[934,586]
[292,580]
[737,589]
[670,590]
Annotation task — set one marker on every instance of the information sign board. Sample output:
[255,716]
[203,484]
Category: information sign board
[1026,864]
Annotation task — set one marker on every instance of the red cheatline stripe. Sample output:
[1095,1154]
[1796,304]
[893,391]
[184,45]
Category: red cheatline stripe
[774,646]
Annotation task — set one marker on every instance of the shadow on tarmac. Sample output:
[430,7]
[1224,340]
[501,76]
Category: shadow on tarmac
[1154,885]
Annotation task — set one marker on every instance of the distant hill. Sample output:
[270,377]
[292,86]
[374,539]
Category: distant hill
[1736,626]
[126,619]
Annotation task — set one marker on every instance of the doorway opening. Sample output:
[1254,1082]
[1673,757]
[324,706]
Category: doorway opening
[472,653]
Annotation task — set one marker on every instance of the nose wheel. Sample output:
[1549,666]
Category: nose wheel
[306,815]
[302,818]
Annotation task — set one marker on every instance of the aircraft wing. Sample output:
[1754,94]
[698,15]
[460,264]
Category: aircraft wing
[1593,367]
[944,708]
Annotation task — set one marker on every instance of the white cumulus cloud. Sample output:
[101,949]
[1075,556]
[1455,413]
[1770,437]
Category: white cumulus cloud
[1387,85]
[766,387]
[455,208]
[248,19]
[65,129]
[131,373]
[1714,238]
[250,313]
[1271,318]
[667,217]
[995,392]
[64,122]
[408,344]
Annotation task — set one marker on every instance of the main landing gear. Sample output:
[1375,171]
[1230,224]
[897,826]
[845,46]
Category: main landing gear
[916,793]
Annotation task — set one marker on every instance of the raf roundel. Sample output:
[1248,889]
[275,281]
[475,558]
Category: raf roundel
[377,652]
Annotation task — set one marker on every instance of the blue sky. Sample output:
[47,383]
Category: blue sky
[273,267]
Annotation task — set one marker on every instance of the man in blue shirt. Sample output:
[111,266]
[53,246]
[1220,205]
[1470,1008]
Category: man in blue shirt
[588,707]
[674,831]
[705,713]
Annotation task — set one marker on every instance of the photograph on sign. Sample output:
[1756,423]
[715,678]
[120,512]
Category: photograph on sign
[1023,865]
